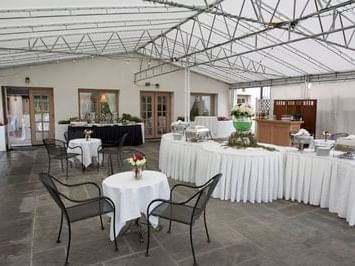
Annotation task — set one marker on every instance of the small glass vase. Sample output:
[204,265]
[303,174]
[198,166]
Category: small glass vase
[137,172]
[242,124]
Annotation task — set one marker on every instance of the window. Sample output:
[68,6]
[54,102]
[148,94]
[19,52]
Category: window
[97,102]
[202,105]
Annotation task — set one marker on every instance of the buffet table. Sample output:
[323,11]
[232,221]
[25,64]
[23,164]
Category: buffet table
[325,181]
[110,132]
[262,176]
[219,129]
[252,175]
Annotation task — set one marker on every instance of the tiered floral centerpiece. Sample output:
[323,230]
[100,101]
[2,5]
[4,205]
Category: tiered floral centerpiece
[137,161]
[243,138]
[242,114]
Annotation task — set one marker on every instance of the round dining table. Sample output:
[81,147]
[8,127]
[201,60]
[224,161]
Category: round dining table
[132,196]
[89,148]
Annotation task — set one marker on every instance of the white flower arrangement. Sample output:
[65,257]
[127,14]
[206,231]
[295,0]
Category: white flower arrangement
[137,160]
[242,110]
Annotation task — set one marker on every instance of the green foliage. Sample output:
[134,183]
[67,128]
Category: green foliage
[105,108]
[245,140]
[128,117]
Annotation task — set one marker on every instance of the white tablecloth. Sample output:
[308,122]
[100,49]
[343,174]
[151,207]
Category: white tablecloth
[262,176]
[177,158]
[325,181]
[224,129]
[89,149]
[219,129]
[131,196]
[254,175]
[208,121]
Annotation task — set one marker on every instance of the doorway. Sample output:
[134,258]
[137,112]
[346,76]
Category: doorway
[29,114]
[156,113]
[42,114]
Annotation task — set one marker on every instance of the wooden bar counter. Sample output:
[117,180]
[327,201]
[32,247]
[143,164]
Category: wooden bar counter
[275,131]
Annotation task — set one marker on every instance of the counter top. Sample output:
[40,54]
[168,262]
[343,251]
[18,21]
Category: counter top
[279,121]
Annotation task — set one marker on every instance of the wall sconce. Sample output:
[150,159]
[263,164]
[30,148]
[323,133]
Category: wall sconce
[103,99]
[27,80]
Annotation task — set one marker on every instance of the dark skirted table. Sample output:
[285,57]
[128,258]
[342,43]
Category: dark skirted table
[110,133]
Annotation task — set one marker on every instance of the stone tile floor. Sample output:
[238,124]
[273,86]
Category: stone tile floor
[278,233]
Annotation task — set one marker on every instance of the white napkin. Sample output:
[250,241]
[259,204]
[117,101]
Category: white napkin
[350,137]
[302,132]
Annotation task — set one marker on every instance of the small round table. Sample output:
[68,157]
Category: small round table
[89,149]
[132,196]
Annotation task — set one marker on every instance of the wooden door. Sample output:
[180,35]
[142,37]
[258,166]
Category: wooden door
[42,114]
[156,113]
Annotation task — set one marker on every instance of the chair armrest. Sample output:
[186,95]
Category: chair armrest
[99,148]
[76,147]
[78,184]
[167,201]
[85,200]
[182,185]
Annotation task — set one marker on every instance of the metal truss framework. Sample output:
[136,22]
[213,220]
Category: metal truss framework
[341,76]
[29,36]
[234,42]
[254,36]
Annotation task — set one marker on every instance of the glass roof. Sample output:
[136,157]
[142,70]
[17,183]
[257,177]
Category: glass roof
[233,41]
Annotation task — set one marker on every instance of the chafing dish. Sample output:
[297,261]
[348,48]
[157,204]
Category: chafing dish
[179,127]
[301,140]
[197,133]
[346,145]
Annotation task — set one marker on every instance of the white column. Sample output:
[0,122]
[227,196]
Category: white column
[187,94]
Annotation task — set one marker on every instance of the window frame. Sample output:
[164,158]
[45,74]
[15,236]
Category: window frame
[99,92]
[213,102]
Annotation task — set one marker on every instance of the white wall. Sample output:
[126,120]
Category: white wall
[335,103]
[99,73]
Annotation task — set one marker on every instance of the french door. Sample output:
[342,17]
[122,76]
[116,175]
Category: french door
[42,114]
[156,113]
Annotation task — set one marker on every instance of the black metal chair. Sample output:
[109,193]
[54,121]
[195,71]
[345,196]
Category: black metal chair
[66,137]
[113,148]
[58,150]
[83,209]
[335,136]
[186,212]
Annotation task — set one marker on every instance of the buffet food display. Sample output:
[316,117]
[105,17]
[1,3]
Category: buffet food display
[197,134]
[346,145]
[178,128]
[301,138]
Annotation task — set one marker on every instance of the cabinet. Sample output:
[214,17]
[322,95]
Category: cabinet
[275,131]
[307,108]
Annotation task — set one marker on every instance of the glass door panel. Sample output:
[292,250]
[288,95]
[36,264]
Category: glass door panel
[42,112]
[162,115]
[147,114]
[155,111]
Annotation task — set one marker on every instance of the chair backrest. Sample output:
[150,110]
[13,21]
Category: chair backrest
[335,136]
[205,194]
[122,140]
[48,182]
[55,147]
[66,137]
